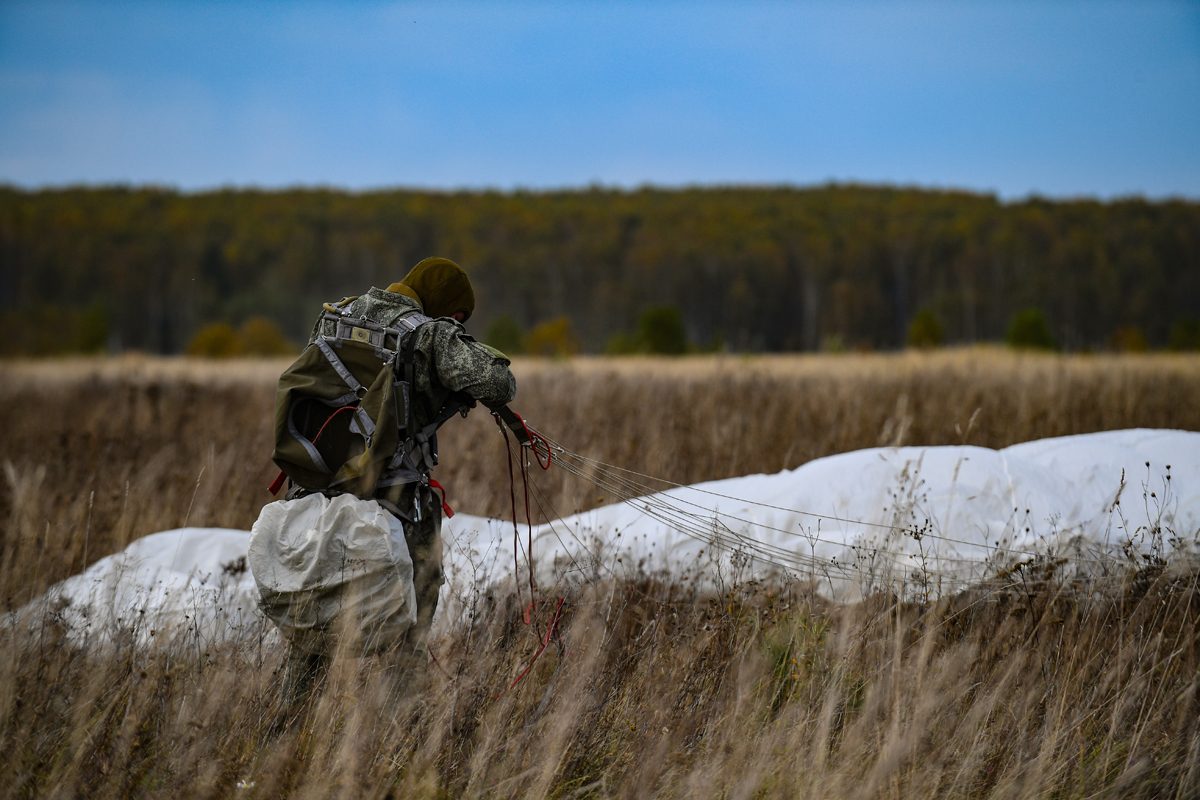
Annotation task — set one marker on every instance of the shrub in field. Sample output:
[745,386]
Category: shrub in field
[1030,330]
[258,336]
[553,338]
[1185,336]
[505,334]
[661,331]
[622,344]
[925,330]
[217,340]
[1128,339]
[262,337]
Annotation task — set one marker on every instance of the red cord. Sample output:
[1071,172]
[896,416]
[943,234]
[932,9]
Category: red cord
[529,522]
[512,496]
[552,628]
[545,642]
[534,437]
[330,419]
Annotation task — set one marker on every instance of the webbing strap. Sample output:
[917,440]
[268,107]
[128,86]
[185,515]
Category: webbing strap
[309,447]
[414,320]
[362,424]
[339,367]
[407,351]
[399,477]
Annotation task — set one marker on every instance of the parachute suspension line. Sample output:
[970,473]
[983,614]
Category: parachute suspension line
[705,529]
[709,527]
[703,526]
[512,496]
[528,521]
[530,610]
[554,515]
[705,515]
[641,488]
[700,527]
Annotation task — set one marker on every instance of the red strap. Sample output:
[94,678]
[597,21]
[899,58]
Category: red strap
[277,484]
[445,506]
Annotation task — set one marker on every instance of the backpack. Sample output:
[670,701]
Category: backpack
[343,409]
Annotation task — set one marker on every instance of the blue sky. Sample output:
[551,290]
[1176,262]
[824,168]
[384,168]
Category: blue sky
[1056,98]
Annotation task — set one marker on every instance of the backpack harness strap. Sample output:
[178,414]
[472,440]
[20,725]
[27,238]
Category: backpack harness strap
[365,425]
[418,451]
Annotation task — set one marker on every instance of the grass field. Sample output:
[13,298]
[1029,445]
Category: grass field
[1039,690]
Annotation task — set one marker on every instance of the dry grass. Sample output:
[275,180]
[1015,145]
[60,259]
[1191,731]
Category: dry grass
[1040,690]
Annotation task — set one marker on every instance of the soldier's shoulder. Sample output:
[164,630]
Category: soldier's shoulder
[384,307]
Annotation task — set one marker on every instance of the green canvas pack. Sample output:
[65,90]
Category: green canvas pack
[343,411]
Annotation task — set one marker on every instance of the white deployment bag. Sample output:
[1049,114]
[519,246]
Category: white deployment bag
[328,567]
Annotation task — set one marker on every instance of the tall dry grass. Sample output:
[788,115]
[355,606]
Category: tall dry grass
[1035,692]
[100,452]
[1042,688]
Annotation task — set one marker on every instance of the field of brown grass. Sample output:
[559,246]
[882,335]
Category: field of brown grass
[1039,690]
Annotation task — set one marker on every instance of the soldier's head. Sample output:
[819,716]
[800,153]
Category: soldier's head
[441,287]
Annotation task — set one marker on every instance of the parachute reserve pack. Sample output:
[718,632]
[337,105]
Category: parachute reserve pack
[327,566]
[343,410]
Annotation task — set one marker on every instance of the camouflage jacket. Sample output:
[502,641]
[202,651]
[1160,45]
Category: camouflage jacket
[446,359]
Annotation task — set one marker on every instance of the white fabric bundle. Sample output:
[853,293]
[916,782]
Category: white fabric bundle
[333,566]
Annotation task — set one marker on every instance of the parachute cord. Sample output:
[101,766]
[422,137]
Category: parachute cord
[512,496]
[534,438]
[330,419]
[529,522]
[527,617]
[551,630]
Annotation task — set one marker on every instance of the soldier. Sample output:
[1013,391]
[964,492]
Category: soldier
[446,363]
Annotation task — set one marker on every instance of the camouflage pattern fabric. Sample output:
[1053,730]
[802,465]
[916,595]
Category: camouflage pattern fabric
[446,359]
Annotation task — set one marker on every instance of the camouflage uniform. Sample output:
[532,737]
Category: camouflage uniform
[446,359]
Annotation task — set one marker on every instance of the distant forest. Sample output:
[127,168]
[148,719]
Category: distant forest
[743,269]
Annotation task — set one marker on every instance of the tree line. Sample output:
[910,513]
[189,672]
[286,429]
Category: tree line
[741,269]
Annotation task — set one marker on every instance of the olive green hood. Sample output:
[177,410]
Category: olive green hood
[440,286]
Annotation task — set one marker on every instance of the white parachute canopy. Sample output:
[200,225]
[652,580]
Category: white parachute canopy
[934,519]
[929,519]
[190,580]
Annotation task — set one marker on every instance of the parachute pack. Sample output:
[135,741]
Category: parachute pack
[343,410]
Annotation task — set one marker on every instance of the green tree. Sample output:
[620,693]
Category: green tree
[1030,330]
[1185,335]
[661,331]
[926,330]
[622,343]
[505,334]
